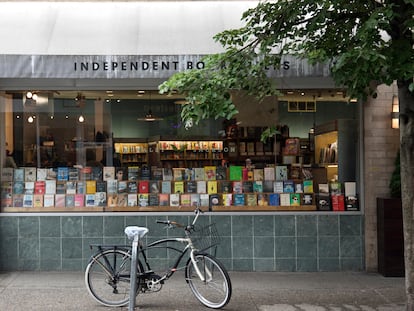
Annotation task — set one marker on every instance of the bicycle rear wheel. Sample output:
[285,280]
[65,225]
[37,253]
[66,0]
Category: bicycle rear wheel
[215,290]
[107,277]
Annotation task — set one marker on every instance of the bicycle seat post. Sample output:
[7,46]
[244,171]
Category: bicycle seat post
[134,233]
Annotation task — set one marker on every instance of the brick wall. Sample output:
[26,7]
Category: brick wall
[381,144]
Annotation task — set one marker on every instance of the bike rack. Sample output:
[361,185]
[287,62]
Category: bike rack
[134,233]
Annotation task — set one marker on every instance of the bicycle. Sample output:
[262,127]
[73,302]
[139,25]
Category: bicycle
[108,273]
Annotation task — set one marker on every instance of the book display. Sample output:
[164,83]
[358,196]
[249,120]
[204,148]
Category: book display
[132,153]
[228,192]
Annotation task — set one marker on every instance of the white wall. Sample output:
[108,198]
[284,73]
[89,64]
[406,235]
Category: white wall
[116,28]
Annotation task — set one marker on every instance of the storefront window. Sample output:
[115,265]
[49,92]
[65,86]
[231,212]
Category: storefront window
[127,150]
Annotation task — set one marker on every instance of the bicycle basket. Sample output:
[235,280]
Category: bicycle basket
[205,237]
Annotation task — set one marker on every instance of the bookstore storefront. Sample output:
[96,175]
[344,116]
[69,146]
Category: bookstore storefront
[91,147]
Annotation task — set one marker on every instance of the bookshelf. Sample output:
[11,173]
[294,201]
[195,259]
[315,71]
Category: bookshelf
[132,153]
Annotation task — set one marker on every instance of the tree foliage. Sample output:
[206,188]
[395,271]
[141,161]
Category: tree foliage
[365,43]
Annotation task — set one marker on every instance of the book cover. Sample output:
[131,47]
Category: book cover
[350,189]
[164,199]
[89,200]
[166,186]
[299,187]
[221,173]
[281,172]
[60,187]
[245,173]
[79,200]
[143,199]
[235,172]
[295,199]
[132,187]
[122,199]
[112,199]
[186,199]
[62,173]
[227,199]
[174,199]
[40,187]
[18,187]
[50,186]
[198,173]
[195,199]
[323,188]
[97,173]
[268,186]
[18,200]
[71,187]
[122,186]
[269,173]
[60,200]
[85,173]
[73,174]
[338,202]
[153,199]
[156,173]
[262,199]
[30,174]
[29,187]
[154,186]
[100,199]
[204,199]
[167,174]
[145,172]
[307,199]
[251,199]
[70,200]
[295,171]
[6,189]
[178,187]
[308,186]
[90,186]
[237,187]
[51,174]
[274,199]
[212,187]
[81,187]
[258,174]
[210,172]
[178,173]
[27,200]
[121,173]
[191,186]
[247,186]
[133,173]
[323,201]
[238,199]
[112,186]
[214,200]
[351,203]
[201,186]
[132,199]
[41,173]
[225,186]
[188,174]
[284,199]
[258,186]
[49,200]
[335,188]
[250,175]
[18,174]
[288,186]
[109,172]
[292,146]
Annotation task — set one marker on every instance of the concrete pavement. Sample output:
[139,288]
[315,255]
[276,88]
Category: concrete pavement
[261,291]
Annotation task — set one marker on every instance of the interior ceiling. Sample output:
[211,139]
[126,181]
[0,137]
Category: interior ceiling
[287,95]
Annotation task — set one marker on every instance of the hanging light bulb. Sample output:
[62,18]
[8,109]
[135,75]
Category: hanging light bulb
[30,119]
[29,94]
[81,119]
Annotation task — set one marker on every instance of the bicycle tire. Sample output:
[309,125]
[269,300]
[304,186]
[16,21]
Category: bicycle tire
[215,291]
[107,277]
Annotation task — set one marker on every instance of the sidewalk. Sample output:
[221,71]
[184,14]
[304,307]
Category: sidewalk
[323,291]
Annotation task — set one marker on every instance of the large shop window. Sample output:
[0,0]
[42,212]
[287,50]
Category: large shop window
[128,151]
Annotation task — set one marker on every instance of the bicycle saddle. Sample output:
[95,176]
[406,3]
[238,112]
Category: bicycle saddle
[132,231]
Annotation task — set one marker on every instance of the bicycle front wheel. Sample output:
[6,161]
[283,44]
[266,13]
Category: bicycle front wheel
[107,277]
[211,283]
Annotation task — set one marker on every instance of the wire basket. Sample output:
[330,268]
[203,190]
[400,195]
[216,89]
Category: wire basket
[205,237]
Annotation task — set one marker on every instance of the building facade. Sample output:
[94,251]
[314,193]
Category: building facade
[76,57]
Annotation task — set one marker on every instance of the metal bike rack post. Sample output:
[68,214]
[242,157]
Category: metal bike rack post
[133,279]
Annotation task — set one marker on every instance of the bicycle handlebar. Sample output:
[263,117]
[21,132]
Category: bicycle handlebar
[171,223]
